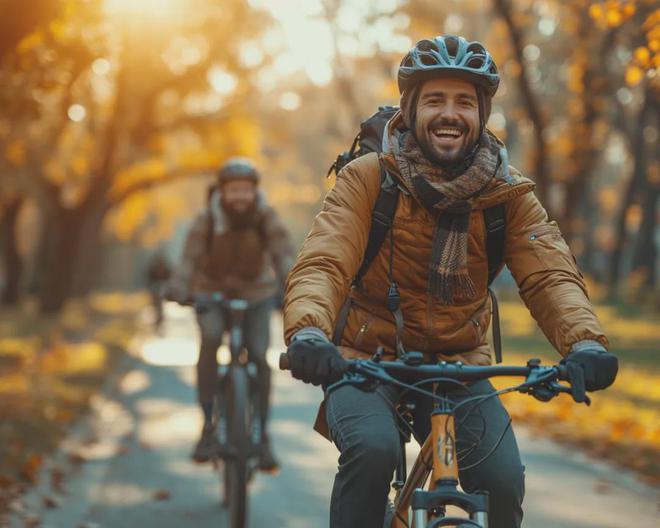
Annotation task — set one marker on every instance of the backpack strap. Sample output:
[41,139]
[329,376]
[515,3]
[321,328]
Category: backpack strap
[381,222]
[495,219]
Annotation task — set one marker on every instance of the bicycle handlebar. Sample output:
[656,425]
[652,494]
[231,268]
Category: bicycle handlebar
[456,371]
[395,372]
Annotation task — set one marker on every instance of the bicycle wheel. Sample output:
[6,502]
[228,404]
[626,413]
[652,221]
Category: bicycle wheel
[235,464]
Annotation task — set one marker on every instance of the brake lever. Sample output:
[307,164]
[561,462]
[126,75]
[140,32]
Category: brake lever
[557,387]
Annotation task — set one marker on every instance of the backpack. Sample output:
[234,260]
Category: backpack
[370,139]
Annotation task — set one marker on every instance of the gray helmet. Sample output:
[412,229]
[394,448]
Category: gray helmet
[238,169]
[449,56]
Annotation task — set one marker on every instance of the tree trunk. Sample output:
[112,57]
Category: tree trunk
[13,263]
[61,254]
[88,264]
[646,252]
[636,179]
[541,174]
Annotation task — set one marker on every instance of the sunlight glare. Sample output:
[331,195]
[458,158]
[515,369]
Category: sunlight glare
[140,8]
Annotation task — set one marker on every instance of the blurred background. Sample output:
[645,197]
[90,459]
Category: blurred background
[115,114]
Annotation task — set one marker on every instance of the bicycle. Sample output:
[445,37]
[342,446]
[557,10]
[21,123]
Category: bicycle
[413,507]
[236,411]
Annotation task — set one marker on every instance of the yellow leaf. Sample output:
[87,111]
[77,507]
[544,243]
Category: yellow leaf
[30,42]
[16,152]
[80,165]
[642,56]
[596,11]
[634,75]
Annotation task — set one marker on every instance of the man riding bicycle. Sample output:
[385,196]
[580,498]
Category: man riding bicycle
[239,247]
[427,287]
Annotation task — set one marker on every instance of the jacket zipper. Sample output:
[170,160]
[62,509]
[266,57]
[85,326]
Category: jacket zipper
[362,331]
[475,326]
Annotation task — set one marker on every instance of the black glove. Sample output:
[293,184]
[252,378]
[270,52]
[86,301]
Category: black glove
[314,359]
[590,367]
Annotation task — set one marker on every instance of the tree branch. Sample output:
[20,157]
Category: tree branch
[118,197]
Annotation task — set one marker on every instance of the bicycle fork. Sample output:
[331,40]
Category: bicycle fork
[440,449]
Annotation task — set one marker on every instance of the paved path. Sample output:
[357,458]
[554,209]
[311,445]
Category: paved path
[137,472]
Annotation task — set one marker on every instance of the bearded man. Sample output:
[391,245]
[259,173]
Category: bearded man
[237,246]
[448,168]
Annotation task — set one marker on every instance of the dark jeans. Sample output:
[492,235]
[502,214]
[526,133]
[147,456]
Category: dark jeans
[363,427]
[256,337]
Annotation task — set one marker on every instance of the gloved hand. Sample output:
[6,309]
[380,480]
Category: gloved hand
[590,367]
[314,359]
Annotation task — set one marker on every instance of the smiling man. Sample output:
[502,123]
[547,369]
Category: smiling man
[449,170]
[237,246]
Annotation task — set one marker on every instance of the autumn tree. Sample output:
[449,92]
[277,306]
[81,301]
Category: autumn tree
[120,100]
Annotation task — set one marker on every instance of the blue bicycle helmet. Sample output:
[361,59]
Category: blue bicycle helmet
[238,168]
[449,56]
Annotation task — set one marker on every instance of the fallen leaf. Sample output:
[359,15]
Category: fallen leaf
[30,469]
[123,450]
[57,479]
[77,458]
[32,520]
[51,503]
[162,495]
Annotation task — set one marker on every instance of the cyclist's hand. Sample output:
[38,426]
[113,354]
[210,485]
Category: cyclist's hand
[590,367]
[314,359]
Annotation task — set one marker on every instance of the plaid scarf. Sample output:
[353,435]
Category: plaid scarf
[449,197]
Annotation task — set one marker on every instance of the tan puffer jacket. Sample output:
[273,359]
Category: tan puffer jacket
[250,264]
[535,252]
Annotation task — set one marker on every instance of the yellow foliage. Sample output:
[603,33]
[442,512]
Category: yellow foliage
[150,170]
[609,200]
[19,347]
[80,165]
[16,152]
[634,216]
[30,41]
[117,303]
[73,358]
[612,13]
[55,172]
[642,56]
[596,11]
[634,75]
[14,384]
[198,159]
[74,315]
[129,216]
[613,17]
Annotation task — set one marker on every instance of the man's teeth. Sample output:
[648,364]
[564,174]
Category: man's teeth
[454,132]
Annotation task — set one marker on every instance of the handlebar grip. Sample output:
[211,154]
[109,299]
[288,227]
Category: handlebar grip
[284,361]
[563,372]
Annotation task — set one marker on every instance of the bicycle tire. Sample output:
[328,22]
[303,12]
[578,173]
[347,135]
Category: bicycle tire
[236,465]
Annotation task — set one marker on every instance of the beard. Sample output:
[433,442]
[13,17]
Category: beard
[451,160]
[240,218]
